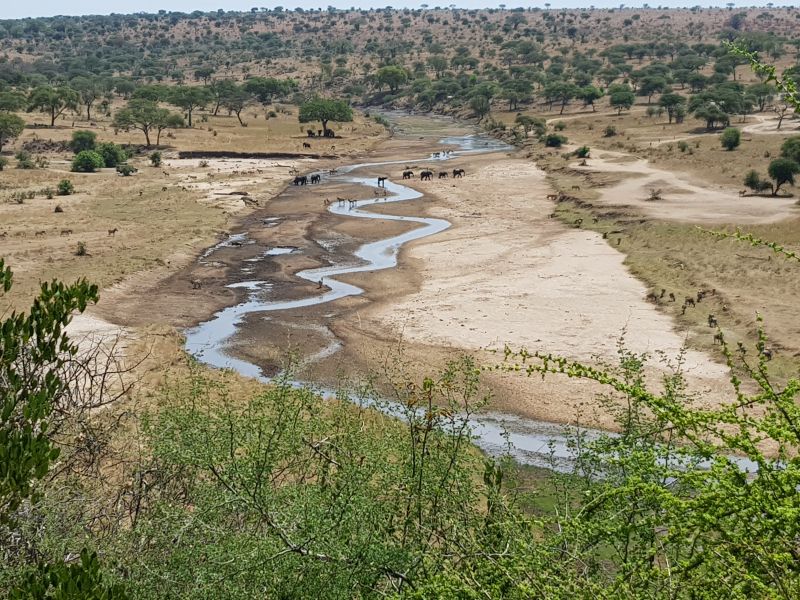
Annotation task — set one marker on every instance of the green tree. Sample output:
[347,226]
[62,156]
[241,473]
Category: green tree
[146,116]
[236,100]
[53,101]
[762,93]
[325,110]
[12,101]
[529,123]
[791,148]
[621,100]
[220,90]
[438,63]
[782,171]
[82,140]
[481,105]
[89,91]
[189,98]
[265,89]
[589,95]
[11,126]
[730,138]
[391,76]
[652,85]
[673,103]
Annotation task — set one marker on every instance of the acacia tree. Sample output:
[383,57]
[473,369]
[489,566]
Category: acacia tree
[53,101]
[325,110]
[782,171]
[89,91]
[674,104]
[220,90]
[146,116]
[189,98]
[391,76]
[235,100]
[10,127]
[11,101]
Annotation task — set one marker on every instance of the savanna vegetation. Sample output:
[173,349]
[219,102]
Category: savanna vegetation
[203,485]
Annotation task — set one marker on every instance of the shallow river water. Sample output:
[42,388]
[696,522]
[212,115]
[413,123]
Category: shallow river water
[530,442]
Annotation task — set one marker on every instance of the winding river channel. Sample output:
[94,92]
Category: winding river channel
[528,441]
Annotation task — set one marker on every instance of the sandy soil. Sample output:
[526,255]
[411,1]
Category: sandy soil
[682,199]
[507,274]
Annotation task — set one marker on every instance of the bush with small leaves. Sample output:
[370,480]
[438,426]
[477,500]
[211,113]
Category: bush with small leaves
[554,140]
[112,154]
[3,162]
[49,193]
[155,159]
[126,170]
[731,138]
[559,126]
[65,188]
[610,131]
[582,152]
[81,250]
[83,140]
[683,146]
[24,160]
[87,161]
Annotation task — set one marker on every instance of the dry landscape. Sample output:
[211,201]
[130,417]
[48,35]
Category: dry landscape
[360,200]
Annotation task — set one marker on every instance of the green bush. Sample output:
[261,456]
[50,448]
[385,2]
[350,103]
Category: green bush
[559,126]
[3,162]
[65,187]
[610,131]
[24,160]
[112,154]
[155,159]
[87,161]
[554,140]
[730,138]
[683,146]
[83,140]
[126,170]
[582,152]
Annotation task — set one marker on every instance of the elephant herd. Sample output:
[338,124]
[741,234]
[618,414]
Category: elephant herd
[427,174]
[305,179]
[424,175]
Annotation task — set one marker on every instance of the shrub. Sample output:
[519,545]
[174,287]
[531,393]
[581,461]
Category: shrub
[554,140]
[48,193]
[81,250]
[610,131]
[58,209]
[203,164]
[83,140]
[126,170]
[559,126]
[112,154]
[3,162]
[582,152]
[155,159]
[731,138]
[87,161]
[24,160]
[65,187]
[683,146]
